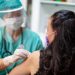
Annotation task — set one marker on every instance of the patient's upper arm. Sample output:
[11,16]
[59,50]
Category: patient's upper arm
[30,66]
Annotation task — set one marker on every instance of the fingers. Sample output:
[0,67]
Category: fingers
[22,53]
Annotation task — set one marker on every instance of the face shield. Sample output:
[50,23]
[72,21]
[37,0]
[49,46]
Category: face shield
[13,18]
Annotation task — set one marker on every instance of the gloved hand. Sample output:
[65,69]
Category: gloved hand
[10,60]
[18,54]
[21,53]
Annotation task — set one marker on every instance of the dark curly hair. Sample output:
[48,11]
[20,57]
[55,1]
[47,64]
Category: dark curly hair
[63,45]
[61,52]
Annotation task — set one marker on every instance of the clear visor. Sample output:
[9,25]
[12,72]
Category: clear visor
[20,12]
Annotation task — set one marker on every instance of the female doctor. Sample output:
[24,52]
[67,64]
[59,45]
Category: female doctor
[13,36]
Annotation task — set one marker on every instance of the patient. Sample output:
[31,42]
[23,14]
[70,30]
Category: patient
[59,57]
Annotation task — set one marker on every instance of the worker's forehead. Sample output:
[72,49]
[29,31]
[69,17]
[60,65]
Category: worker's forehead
[14,14]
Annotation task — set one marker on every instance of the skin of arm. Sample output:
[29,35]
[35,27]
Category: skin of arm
[2,65]
[29,67]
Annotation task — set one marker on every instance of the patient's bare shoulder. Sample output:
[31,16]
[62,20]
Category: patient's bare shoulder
[30,66]
[35,59]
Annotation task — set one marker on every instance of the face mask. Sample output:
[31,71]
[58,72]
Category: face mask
[14,23]
[2,23]
[47,41]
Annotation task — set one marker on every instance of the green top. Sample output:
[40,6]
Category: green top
[31,42]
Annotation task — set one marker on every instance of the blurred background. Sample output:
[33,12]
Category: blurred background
[38,12]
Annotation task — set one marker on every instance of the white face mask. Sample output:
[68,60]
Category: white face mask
[14,23]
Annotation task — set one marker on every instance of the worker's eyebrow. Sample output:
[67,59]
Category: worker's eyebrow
[13,14]
[17,13]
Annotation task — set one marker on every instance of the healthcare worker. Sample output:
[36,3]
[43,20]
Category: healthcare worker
[13,35]
[18,54]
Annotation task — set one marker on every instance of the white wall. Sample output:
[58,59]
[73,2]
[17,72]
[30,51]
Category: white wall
[41,12]
[24,2]
[35,14]
[71,1]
